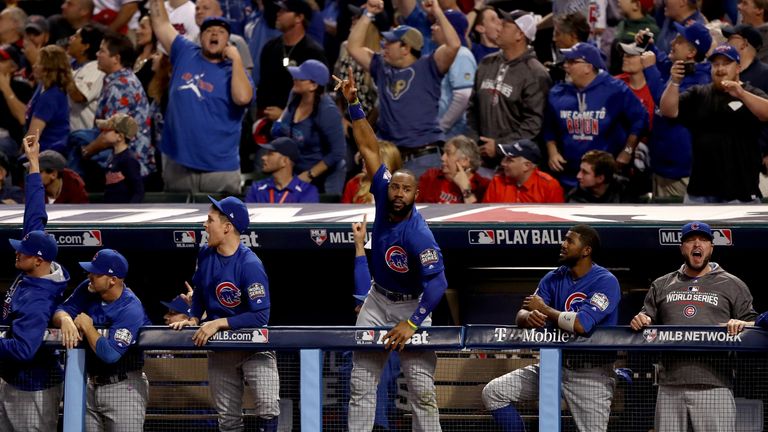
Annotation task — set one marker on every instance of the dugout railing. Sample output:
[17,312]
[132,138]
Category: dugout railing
[469,356]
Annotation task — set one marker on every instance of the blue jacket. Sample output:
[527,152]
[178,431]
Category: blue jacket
[599,117]
[669,145]
[28,308]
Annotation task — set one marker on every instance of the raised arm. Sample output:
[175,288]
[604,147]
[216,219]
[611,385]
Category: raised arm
[161,25]
[124,15]
[670,99]
[241,88]
[35,216]
[446,53]
[364,137]
[360,53]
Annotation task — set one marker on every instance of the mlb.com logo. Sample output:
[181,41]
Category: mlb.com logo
[78,238]
[365,336]
[184,239]
[481,236]
[720,237]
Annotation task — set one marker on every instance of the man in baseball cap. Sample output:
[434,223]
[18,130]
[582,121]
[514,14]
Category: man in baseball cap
[525,21]
[695,37]
[748,41]
[407,35]
[123,182]
[62,185]
[282,186]
[233,210]
[521,180]
[32,380]
[178,310]
[587,53]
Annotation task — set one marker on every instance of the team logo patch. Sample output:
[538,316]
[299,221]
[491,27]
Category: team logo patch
[689,311]
[600,300]
[255,291]
[319,236]
[650,335]
[123,337]
[228,294]
[396,259]
[570,302]
[428,256]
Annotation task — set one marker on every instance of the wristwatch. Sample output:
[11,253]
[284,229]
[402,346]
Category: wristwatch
[369,14]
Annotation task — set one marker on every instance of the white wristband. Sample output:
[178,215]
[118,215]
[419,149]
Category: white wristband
[566,321]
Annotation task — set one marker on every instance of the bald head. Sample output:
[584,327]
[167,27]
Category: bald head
[77,12]
[205,9]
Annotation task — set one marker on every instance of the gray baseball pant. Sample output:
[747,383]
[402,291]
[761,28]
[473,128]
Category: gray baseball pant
[711,409]
[119,407]
[36,411]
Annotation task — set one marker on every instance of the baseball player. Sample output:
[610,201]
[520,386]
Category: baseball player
[576,297]
[178,308]
[231,287]
[408,282]
[117,388]
[30,384]
[699,293]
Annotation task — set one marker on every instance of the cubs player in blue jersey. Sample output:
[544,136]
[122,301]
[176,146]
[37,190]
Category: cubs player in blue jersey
[118,390]
[30,384]
[408,282]
[231,287]
[576,297]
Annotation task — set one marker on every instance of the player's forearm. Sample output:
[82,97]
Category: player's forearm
[434,288]
[92,336]
[367,144]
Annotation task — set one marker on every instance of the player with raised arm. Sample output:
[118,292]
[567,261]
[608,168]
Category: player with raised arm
[30,388]
[231,287]
[408,283]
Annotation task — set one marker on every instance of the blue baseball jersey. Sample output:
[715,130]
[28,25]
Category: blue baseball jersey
[233,287]
[122,319]
[28,307]
[594,297]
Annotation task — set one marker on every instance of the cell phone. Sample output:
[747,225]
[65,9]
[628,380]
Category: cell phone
[646,39]
[689,68]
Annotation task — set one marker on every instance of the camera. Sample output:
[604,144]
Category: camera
[689,68]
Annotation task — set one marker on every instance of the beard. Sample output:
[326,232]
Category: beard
[568,261]
[401,213]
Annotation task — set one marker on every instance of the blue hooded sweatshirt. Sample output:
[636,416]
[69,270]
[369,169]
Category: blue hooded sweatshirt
[669,145]
[28,308]
[599,117]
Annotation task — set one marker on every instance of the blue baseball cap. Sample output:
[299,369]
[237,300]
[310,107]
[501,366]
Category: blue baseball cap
[405,34]
[696,34]
[459,22]
[215,21]
[107,262]
[587,52]
[235,210]
[727,51]
[525,148]
[177,305]
[311,70]
[695,227]
[285,146]
[36,243]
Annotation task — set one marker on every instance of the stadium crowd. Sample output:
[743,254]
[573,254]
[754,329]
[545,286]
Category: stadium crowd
[583,101]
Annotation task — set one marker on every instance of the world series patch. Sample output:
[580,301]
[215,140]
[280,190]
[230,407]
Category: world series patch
[123,337]
[256,290]
[428,256]
[600,300]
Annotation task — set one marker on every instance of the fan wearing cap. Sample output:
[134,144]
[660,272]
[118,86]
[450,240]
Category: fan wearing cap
[117,387]
[210,91]
[123,182]
[16,92]
[725,119]
[755,13]
[212,8]
[747,40]
[634,61]
[699,293]
[62,185]
[510,90]
[231,287]
[36,35]
[178,310]
[282,186]
[691,46]
[456,87]
[592,112]
[409,281]
[292,48]
[409,85]
[313,121]
[521,180]
[681,12]
[31,377]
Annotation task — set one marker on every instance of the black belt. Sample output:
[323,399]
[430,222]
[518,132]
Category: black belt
[409,153]
[390,295]
[102,380]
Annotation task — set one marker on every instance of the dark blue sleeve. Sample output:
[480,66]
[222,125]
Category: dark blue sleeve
[27,331]
[655,83]
[549,131]
[422,244]
[256,296]
[311,194]
[35,217]
[663,63]
[362,276]
[545,288]
[77,301]
[47,106]
[379,185]
[601,304]
[762,320]
[434,287]
[125,327]
[133,174]
[636,113]
[330,126]
[251,197]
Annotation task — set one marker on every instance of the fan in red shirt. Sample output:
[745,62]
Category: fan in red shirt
[522,181]
[635,60]
[456,181]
